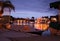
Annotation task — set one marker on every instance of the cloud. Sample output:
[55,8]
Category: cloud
[28,8]
[31,13]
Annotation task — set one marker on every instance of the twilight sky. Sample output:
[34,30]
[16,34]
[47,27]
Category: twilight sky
[29,8]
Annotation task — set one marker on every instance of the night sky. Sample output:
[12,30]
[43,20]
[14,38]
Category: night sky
[35,8]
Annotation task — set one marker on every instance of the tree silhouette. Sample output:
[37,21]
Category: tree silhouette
[6,4]
[55,25]
[56,5]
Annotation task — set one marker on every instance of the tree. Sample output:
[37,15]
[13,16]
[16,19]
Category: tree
[55,27]
[9,5]
[6,4]
[56,5]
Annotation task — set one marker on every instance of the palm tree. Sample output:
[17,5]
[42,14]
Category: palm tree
[6,4]
[56,5]
[9,5]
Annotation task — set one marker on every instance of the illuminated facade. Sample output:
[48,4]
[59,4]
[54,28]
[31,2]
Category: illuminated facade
[41,24]
[20,21]
[54,18]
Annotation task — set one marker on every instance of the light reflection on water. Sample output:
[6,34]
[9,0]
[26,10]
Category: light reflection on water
[36,25]
[26,28]
[41,26]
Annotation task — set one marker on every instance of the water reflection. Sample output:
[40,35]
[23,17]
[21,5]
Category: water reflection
[41,26]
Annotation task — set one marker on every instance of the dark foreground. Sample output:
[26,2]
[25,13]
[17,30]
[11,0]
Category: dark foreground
[36,38]
[22,36]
